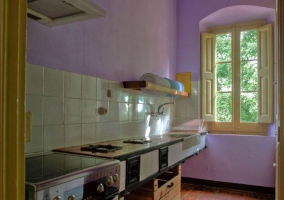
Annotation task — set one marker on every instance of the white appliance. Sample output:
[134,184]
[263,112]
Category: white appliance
[59,12]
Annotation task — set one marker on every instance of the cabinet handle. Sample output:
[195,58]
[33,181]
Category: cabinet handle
[171,185]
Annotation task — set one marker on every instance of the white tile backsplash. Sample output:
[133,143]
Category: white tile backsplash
[73,135]
[52,110]
[72,108]
[34,104]
[102,87]
[36,143]
[53,82]
[89,87]
[102,132]
[89,111]
[53,137]
[72,84]
[65,110]
[34,79]
[88,133]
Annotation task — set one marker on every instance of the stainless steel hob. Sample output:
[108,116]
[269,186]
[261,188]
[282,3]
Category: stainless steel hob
[56,176]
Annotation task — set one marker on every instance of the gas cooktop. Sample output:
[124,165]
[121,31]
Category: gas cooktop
[101,148]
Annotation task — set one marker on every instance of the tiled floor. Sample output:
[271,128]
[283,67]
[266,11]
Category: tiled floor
[198,192]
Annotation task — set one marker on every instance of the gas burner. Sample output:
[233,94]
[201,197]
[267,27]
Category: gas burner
[137,141]
[101,148]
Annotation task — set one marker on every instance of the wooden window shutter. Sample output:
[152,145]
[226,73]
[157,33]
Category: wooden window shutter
[265,74]
[208,76]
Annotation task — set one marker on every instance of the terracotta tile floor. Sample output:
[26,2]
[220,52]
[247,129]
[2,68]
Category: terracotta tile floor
[199,192]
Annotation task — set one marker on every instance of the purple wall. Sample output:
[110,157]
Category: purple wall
[189,14]
[235,159]
[229,158]
[134,38]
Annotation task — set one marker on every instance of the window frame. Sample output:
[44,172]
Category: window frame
[235,126]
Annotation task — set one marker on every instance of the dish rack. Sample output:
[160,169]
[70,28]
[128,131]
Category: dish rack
[192,125]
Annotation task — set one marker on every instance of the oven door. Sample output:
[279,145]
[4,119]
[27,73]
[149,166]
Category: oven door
[112,197]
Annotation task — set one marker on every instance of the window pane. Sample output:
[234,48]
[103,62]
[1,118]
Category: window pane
[224,107]
[248,45]
[223,47]
[249,107]
[249,76]
[224,77]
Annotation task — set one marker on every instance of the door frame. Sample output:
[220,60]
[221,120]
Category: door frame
[13,51]
[280,68]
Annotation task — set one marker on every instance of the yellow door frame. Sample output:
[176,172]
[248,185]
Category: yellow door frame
[13,51]
[280,68]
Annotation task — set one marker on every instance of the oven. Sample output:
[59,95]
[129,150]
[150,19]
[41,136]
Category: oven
[59,176]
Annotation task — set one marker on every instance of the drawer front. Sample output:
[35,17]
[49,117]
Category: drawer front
[173,194]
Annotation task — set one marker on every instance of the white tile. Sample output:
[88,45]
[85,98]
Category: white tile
[104,117]
[140,111]
[125,130]
[138,128]
[193,112]
[53,137]
[36,143]
[34,79]
[53,82]
[183,101]
[89,87]
[88,133]
[114,111]
[34,104]
[89,111]
[102,87]
[123,112]
[102,132]
[72,110]
[115,88]
[52,110]
[195,87]
[132,112]
[114,130]
[72,85]
[181,111]
[140,98]
[73,135]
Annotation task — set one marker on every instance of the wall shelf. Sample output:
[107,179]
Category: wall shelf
[138,85]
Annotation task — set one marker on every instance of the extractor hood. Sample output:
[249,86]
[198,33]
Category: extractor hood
[58,12]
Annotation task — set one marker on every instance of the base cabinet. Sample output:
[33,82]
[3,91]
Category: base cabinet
[165,187]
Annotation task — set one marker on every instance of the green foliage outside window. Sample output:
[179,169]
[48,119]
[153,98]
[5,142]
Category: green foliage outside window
[248,77]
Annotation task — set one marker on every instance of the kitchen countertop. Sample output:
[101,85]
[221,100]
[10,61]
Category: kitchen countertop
[128,149]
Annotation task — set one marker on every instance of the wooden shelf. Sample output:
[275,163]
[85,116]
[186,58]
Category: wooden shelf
[137,85]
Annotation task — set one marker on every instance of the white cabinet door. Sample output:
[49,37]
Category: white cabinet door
[149,164]
[175,153]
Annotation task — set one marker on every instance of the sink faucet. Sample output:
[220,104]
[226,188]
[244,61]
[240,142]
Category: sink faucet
[162,106]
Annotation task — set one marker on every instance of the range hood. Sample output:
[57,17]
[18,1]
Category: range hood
[57,12]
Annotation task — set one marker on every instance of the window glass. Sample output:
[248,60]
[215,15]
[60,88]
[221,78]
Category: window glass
[249,76]
[248,45]
[224,107]
[249,107]
[223,47]
[224,77]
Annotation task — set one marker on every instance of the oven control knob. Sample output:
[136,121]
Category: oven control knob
[100,188]
[115,178]
[57,198]
[110,180]
[72,197]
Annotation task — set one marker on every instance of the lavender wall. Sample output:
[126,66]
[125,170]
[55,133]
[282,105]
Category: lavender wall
[235,159]
[134,38]
[189,14]
[229,158]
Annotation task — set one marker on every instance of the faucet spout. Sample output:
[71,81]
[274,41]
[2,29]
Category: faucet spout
[162,106]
